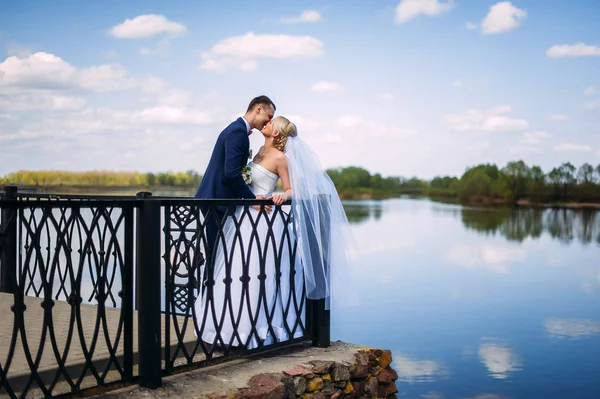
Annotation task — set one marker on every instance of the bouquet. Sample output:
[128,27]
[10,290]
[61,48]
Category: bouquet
[247,174]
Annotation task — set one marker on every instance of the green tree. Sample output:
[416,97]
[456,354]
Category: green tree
[516,177]
[537,187]
[567,177]
[150,179]
[475,185]
[585,174]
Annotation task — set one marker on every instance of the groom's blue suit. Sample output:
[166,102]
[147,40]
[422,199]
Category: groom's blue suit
[223,177]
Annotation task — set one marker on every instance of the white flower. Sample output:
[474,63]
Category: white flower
[247,174]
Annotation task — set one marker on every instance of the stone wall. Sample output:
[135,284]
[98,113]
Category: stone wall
[368,376]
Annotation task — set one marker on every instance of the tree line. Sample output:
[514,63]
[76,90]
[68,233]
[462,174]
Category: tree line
[519,182]
[102,178]
[486,183]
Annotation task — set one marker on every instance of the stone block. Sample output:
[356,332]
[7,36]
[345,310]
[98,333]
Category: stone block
[314,384]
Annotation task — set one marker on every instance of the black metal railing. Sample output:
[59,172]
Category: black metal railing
[67,294]
[207,281]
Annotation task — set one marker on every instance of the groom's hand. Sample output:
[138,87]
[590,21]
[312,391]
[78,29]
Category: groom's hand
[267,207]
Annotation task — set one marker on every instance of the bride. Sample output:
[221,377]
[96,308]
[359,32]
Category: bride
[267,260]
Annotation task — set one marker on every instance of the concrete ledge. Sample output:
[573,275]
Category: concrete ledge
[301,371]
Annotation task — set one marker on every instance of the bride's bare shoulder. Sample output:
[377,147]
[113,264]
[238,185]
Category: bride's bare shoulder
[280,156]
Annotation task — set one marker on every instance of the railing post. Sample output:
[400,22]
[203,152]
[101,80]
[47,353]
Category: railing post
[319,323]
[127,297]
[148,290]
[8,246]
[321,336]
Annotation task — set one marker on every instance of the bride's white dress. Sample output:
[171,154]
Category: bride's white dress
[233,309]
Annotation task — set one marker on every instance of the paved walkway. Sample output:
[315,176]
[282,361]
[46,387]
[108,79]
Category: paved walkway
[236,374]
[61,320]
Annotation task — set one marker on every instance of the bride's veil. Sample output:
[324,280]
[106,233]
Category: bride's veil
[325,241]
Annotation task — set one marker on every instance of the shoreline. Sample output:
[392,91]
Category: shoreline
[484,202]
[567,205]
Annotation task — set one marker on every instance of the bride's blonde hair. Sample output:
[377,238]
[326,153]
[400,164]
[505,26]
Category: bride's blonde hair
[286,129]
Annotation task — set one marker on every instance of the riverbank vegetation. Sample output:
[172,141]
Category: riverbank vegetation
[485,183]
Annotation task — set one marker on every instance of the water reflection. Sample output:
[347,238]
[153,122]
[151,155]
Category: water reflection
[517,225]
[362,211]
[571,328]
[494,257]
[500,360]
[528,279]
[417,371]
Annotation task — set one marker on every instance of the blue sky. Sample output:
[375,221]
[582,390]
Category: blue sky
[411,87]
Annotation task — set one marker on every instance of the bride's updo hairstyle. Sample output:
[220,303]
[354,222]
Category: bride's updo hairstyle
[286,129]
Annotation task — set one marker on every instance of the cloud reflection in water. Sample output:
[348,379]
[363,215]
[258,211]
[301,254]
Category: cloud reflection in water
[500,360]
[571,328]
[417,371]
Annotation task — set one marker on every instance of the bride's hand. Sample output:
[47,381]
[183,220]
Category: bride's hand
[278,199]
[267,207]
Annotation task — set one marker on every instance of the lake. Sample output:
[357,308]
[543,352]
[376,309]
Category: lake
[476,302]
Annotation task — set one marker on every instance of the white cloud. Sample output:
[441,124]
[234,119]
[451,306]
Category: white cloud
[528,144]
[471,26]
[491,120]
[592,105]
[502,17]
[457,83]
[46,71]
[559,117]
[387,97]
[492,257]
[323,86]
[570,147]
[573,50]
[347,121]
[524,150]
[172,116]
[390,131]
[590,90]
[500,360]
[158,90]
[41,101]
[571,328]
[243,52]
[375,128]
[93,124]
[533,138]
[307,16]
[145,26]
[409,9]
[304,124]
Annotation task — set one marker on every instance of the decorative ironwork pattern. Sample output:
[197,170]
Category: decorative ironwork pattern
[71,254]
[245,292]
[231,285]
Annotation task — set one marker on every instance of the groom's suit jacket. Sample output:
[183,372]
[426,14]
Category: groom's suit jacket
[223,177]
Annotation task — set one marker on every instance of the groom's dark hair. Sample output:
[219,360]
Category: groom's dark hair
[261,100]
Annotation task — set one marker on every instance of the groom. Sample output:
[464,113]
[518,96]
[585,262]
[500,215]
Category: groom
[223,176]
